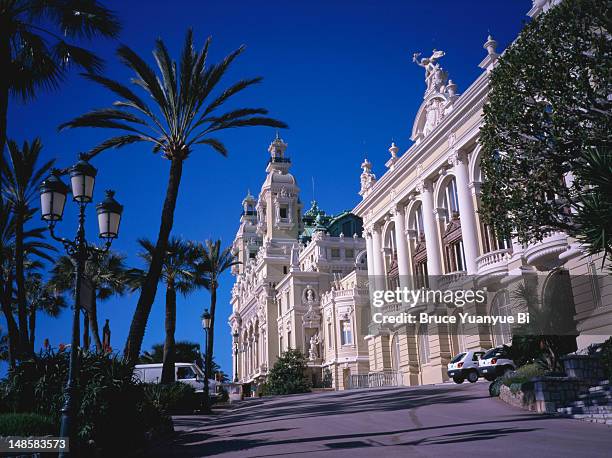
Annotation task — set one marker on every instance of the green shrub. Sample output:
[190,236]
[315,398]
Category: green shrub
[27,424]
[606,357]
[495,387]
[223,396]
[523,374]
[288,376]
[112,413]
[515,387]
[328,379]
[177,398]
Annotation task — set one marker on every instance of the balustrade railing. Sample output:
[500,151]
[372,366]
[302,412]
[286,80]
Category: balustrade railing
[376,380]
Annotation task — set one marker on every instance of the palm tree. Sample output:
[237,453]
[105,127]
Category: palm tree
[212,262]
[106,276]
[34,51]
[23,177]
[34,245]
[40,298]
[178,274]
[184,351]
[184,118]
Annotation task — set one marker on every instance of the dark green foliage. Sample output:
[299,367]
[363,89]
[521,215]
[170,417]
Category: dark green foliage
[550,332]
[288,374]
[172,399]
[606,357]
[186,352]
[223,396]
[112,409]
[547,115]
[328,380]
[27,424]
[495,386]
[522,375]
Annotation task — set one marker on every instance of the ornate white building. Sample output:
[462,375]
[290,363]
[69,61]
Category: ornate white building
[421,224]
[297,284]
[304,279]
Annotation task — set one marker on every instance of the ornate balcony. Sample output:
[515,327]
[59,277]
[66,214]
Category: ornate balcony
[544,255]
[494,263]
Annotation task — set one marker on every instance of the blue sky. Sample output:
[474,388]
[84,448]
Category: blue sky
[338,72]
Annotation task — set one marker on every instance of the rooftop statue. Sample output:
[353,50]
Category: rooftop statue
[435,76]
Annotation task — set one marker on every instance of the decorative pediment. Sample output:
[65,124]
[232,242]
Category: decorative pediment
[439,96]
[420,250]
[452,232]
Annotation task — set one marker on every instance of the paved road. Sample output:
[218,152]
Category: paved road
[431,421]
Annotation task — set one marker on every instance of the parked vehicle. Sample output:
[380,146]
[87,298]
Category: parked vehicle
[189,373]
[465,366]
[495,363]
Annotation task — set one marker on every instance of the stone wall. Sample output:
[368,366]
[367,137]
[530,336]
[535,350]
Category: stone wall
[521,399]
[544,394]
[552,393]
[585,367]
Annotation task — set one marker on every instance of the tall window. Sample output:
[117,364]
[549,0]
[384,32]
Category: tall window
[395,352]
[454,256]
[451,201]
[280,345]
[347,333]
[330,335]
[288,340]
[501,306]
[418,224]
[424,344]
[419,253]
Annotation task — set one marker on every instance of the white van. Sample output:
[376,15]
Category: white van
[188,373]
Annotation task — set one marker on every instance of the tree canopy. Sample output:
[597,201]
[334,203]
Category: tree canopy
[546,156]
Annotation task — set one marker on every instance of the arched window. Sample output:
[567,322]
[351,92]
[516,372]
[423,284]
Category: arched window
[419,252]
[450,199]
[423,344]
[454,256]
[501,306]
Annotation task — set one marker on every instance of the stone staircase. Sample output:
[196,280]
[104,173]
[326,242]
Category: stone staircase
[593,405]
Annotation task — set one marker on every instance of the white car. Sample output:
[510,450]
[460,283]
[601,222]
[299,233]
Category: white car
[188,373]
[465,366]
[495,363]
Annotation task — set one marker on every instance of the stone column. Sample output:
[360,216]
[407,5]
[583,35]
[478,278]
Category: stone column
[434,263]
[403,258]
[370,251]
[377,262]
[469,231]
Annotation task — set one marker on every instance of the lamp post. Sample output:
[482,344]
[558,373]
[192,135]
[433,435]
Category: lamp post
[235,338]
[53,192]
[206,326]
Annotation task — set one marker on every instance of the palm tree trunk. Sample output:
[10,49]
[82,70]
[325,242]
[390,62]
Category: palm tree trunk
[147,294]
[168,375]
[211,331]
[22,312]
[32,328]
[5,61]
[86,340]
[93,321]
[11,324]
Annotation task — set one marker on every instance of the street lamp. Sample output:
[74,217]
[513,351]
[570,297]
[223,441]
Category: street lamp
[53,193]
[206,319]
[235,338]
